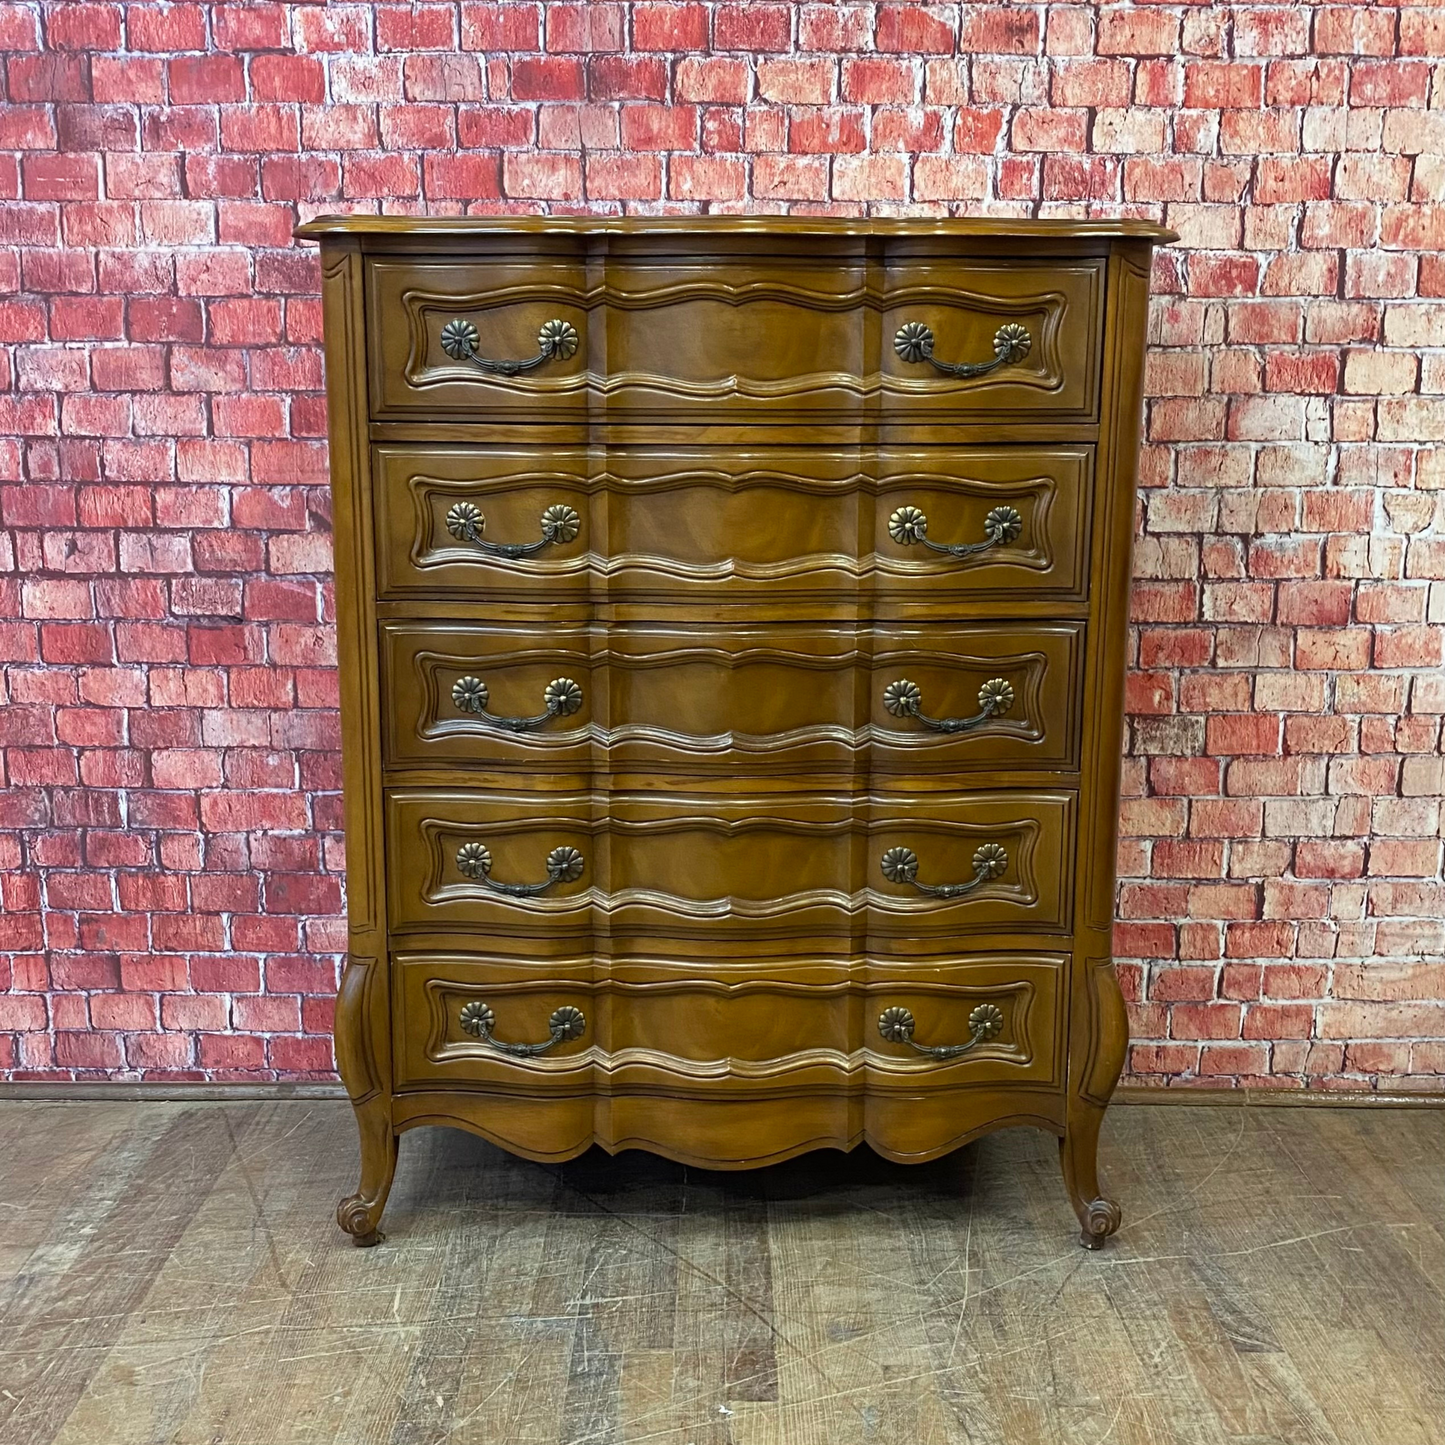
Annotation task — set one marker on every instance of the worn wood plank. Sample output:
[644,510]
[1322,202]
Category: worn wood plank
[170,1274]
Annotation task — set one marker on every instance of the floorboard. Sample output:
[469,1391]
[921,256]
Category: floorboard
[170,1275]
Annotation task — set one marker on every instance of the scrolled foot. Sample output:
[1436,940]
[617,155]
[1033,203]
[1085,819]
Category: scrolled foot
[355,1217]
[1100,1219]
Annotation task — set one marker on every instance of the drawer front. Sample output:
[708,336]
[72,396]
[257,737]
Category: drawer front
[573,524]
[673,339]
[585,1025]
[759,699]
[881,872]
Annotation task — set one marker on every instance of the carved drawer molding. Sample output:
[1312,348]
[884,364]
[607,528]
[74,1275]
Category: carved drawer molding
[731,616]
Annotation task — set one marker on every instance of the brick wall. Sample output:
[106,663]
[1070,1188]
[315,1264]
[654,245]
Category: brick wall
[173,886]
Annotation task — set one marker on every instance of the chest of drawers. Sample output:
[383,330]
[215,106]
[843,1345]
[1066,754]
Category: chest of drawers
[732,621]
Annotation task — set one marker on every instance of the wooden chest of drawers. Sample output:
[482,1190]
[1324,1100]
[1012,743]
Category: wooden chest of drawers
[732,619]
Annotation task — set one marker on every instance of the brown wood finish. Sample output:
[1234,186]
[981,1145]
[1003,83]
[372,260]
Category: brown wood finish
[751,699]
[765,523]
[634,779]
[787,332]
[655,1025]
[798,870]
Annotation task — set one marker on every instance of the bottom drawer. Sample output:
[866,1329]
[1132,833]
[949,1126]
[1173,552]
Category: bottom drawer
[606,1025]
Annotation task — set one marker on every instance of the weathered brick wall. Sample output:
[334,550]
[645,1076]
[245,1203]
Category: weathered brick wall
[174,867]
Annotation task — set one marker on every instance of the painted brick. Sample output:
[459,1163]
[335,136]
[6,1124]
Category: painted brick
[669,27]
[930,29]
[166,628]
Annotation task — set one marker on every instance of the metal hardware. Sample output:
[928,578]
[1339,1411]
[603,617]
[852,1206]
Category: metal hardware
[566,1023]
[905,699]
[913,341]
[465,522]
[1003,524]
[556,338]
[474,860]
[561,697]
[900,865]
[984,1023]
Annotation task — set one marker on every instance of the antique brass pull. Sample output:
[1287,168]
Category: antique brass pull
[900,865]
[474,860]
[984,1023]
[465,522]
[905,699]
[566,1023]
[562,697]
[913,341]
[556,338]
[908,525]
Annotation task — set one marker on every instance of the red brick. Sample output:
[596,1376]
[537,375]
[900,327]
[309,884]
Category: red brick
[501,27]
[790,177]
[930,29]
[60,177]
[659,127]
[797,82]
[164,362]
[752,27]
[875,80]
[827,129]
[711,178]
[669,27]
[1216,84]
[624,77]
[713,79]
[205,80]
[163,28]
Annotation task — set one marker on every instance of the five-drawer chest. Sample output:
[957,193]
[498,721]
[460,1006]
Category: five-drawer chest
[732,632]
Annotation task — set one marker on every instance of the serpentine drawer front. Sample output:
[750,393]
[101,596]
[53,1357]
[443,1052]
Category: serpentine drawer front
[645,1023]
[731,616]
[663,337]
[793,869]
[963,525]
[763,699]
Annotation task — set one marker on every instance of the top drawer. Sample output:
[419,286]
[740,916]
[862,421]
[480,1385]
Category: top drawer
[557,339]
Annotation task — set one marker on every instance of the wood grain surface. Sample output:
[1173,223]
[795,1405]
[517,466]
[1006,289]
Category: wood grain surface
[727,506]
[750,522]
[166,1276]
[802,331]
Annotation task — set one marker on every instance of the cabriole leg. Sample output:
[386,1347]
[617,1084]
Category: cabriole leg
[1079,1155]
[359,1214]
[357,1030]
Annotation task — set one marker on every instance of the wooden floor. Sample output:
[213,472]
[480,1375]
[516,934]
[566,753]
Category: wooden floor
[171,1273]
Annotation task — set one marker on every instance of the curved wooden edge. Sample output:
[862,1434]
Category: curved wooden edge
[912,228]
[359,1214]
[358,1016]
[480,1119]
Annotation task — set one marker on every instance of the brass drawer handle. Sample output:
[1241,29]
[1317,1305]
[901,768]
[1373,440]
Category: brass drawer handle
[1003,524]
[900,865]
[984,1023]
[561,697]
[474,860]
[556,338]
[566,1023]
[905,699]
[465,522]
[913,341]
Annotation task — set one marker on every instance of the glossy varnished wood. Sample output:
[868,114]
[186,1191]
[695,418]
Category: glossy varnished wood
[165,1276]
[800,870]
[721,497]
[655,1025]
[759,699]
[729,525]
[804,331]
